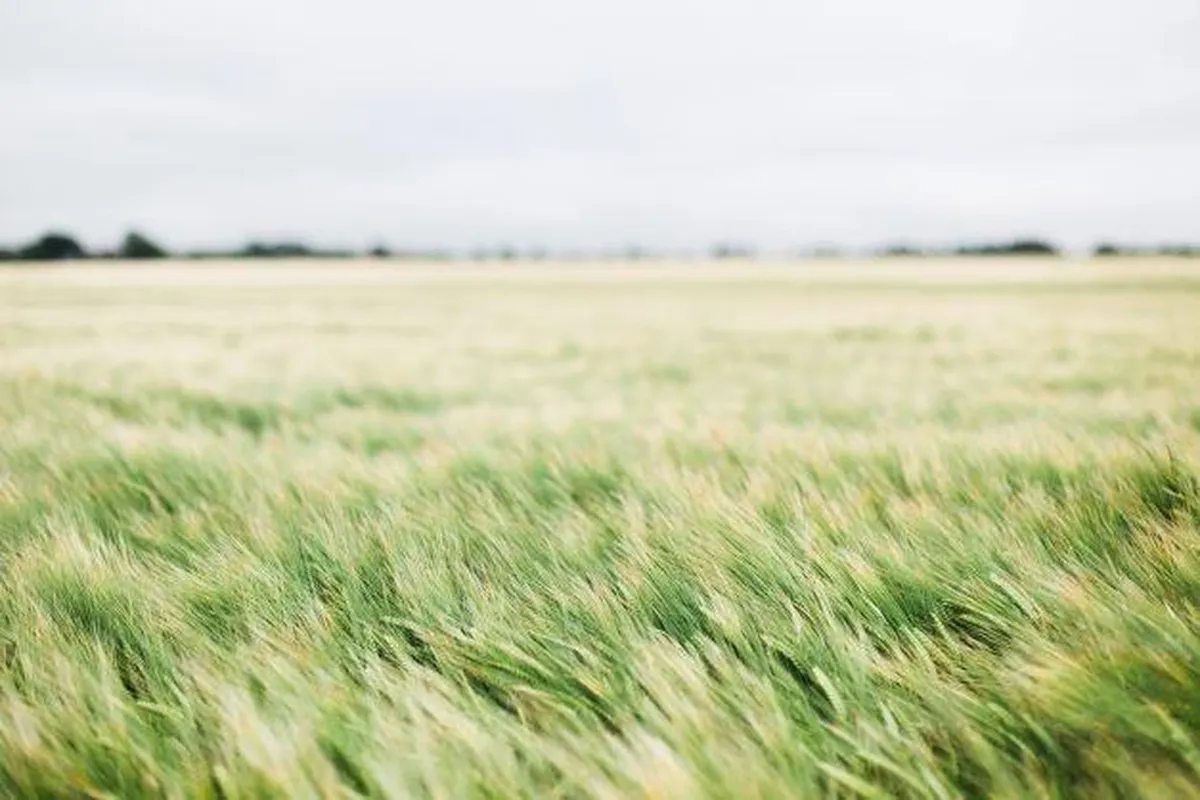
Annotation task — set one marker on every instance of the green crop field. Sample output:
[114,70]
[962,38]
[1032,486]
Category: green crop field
[754,531]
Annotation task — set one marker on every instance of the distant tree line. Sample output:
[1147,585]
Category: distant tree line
[1037,247]
[59,246]
[1108,249]
[1016,247]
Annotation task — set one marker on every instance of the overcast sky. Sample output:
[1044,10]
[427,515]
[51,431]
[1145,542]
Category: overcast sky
[668,123]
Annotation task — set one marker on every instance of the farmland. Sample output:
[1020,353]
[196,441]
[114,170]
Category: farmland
[923,529]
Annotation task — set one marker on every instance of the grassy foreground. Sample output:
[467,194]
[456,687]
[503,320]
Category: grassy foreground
[749,532]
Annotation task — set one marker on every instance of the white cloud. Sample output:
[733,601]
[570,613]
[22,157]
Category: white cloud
[668,123]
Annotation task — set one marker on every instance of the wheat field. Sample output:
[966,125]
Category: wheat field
[925,529]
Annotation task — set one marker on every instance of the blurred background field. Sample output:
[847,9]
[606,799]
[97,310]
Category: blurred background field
[925,528]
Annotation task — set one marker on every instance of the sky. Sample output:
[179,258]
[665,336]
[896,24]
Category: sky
[670,124]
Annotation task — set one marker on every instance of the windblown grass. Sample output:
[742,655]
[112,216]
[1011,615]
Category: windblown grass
[751,533]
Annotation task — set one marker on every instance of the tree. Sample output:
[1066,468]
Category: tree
[52,247]
[1034,247]
[1106,249]
[380,251]
[1027,247]
[279,250]
[138,246]
[901,251]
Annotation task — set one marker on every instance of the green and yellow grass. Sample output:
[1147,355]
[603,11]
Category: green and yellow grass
[871,530]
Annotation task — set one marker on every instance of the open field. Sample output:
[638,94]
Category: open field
[916,529]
